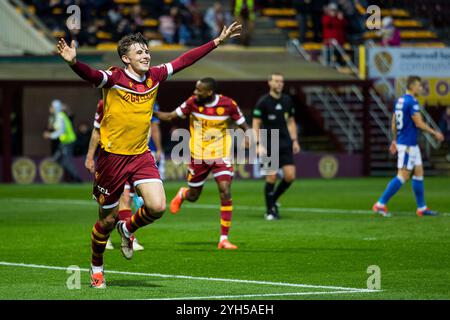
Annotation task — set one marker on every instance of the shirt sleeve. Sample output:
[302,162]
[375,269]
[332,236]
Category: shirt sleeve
[165,71]
[236,113]
[162,72]
[98,78]
[415,107]
[184,109]
[98,115]
[190,57]
[258,110]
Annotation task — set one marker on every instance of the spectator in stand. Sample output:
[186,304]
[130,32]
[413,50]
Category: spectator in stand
[167,25]
[216,18]
[444,125]
[136,19]
[334,23]
[175,26]
[191,24]
[244,14]
[198,27]
[390,36]
[154,8]
[309,9]
[114,16]
[355,13]
[122,29]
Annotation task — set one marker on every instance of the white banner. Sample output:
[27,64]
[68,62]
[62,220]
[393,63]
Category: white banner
[389,68]
[385,62]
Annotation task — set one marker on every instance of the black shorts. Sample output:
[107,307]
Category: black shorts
[285,156]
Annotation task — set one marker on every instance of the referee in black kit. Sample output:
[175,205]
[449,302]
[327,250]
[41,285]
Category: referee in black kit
[276,110]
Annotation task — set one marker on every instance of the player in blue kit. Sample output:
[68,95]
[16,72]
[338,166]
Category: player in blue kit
[406,123]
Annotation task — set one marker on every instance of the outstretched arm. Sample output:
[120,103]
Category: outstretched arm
[166,116]
[192,56]
[69,54]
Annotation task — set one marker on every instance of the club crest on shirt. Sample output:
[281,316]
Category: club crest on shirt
[220,111]
[200,109]
[140,87]
[130,84]
[101,199]
[149,83]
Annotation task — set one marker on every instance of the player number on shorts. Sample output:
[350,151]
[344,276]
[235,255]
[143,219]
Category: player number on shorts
[399,119]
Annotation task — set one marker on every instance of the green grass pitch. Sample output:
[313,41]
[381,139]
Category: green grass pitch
[320,249]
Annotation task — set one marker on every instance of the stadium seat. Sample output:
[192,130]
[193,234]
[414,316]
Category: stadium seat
[395,13]
[107,46]
[58,10]
[101,35]
[279,12]
[151,23]
[59,34]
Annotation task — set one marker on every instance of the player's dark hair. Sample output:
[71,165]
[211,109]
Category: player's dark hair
[411,80]
[127,41]
[275,74]
[210,83]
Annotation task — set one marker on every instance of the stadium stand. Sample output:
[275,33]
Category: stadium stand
[276,22]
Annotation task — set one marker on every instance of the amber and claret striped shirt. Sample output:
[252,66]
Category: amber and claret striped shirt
[208,124]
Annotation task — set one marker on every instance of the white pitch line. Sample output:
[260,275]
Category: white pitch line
[170,276]
[271,295]
[211,206]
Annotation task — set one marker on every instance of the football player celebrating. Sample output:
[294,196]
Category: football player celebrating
[209,116]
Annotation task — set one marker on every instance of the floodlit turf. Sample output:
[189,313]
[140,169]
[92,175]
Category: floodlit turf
[321,248]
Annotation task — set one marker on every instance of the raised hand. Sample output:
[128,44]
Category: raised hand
[232,31]
[68,53]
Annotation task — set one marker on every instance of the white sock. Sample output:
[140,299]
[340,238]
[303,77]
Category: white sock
[96,269]
[223,238]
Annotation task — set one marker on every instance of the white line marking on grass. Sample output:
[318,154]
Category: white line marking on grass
[171,276]
[271,295]
[213,206]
